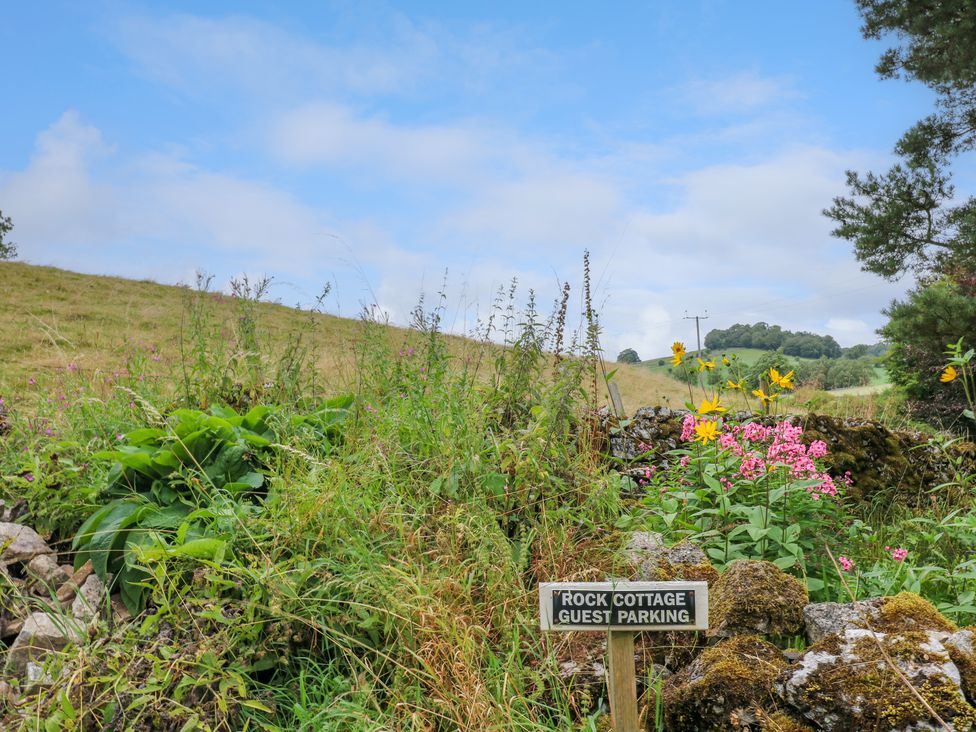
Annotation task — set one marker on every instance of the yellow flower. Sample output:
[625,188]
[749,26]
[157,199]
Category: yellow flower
[725,361]
[784,382]
[702,365]
[763,396]
[948,375]
[678,349]
[707,407]
[706,431]
[734,384]
[787,381]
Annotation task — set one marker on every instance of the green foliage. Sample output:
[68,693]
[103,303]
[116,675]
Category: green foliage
[772,338]
[628,355]
[919,329]
[8,250]
[755,502]
[178,485]
[909,219]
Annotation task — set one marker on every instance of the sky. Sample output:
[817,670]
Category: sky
[399,149]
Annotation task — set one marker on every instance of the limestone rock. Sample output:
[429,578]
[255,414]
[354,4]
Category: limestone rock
[652,560]
[723,683]
[755,597]
[45,568]
[905,611]
[40,635]
[961,647]
[846,682]
[89,600]
[20,543]
[826,618]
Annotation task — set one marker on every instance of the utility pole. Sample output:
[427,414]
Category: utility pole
[697,318]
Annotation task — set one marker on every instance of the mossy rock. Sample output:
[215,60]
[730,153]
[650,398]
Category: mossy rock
[961,646]
[780,721]
[847,682]
[907,611]
[734,675]
[756,597]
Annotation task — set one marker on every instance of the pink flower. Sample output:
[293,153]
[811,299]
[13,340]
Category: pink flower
[817,449]
[898,554]
[685,459]
[72,367]
[846,564]
[31,381]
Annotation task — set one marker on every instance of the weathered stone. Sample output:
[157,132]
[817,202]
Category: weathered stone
[650,559]
[961,647]
[826,618]
[89,600]
[45,568]
[69,588]
[755,597]
[20,543]
[847,682]
[780,721]
[40,635]
[728,678]
[905,611]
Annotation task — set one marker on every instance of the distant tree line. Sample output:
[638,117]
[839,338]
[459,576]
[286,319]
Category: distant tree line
[774,338]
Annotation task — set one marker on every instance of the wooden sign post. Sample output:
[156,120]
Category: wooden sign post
[621,609]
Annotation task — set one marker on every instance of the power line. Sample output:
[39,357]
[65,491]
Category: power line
[697,319]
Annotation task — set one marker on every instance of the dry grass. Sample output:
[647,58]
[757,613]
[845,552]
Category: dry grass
[50,318]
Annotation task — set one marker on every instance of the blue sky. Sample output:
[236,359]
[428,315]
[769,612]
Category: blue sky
[689,146]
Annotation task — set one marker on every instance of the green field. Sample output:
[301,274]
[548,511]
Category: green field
[747,357]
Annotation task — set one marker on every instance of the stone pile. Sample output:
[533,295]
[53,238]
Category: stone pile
[44,605]
[889,663]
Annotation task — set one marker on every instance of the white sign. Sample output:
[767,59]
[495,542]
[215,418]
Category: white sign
[623,605]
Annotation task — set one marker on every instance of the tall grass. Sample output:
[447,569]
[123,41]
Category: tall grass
[387,583]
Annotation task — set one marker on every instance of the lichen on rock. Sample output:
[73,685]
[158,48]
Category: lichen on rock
[849,681]
[736,674]
[756,597]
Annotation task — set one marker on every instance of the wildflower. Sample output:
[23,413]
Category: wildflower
[702,365]
[31,381]
[897,554]
[725,360]
[846,564]
[706,431]
[763,396]
[29,477]
[784,382]
[707,407]
[734,384]
[678,349]
[949,374]
[72,367]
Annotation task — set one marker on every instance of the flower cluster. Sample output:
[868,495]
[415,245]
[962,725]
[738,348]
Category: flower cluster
[762,449]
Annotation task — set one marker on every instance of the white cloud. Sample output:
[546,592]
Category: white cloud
[739,93]
[195,54]
[332,135]
[55,198]
[572,210]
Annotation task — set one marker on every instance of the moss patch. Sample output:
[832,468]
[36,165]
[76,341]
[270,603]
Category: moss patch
[735,674]
[907,611]
[756,597]
[846,682]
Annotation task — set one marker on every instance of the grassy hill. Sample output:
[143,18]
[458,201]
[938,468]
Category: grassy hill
[748,356]
[51,319]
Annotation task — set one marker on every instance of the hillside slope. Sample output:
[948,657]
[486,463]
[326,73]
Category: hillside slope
[51,318]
